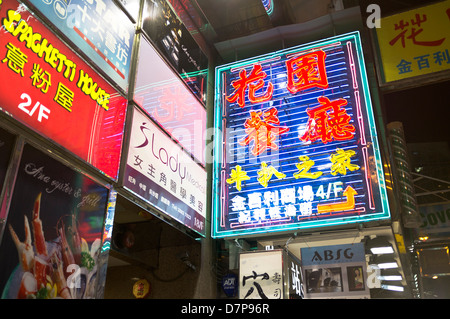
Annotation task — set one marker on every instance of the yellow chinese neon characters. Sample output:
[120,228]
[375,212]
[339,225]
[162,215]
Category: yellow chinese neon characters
[341,162]
[237,176]
[303,168]
[266,172]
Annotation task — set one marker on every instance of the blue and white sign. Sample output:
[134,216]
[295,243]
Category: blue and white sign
[99,28]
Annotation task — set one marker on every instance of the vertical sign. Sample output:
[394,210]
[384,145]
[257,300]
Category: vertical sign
[335,271]
[53,236]
[160,172]
[99,28]
[50,89]
[415,42]
[261,275]
[296,144]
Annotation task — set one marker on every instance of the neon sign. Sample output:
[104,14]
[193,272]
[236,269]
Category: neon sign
[296,141]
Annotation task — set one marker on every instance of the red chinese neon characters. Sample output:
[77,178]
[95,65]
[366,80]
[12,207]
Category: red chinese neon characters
[244,82]
[326,125]
[262,131]
[403,27]
[306,71]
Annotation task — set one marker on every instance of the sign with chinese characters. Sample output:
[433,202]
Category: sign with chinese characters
[296,141]
[164,96]
[47,87]
[335,271]
[415,42]
[261,275]
[99,29]
[6,147]
[161,173]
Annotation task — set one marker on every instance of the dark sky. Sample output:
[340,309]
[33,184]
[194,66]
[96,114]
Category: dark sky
[424,112]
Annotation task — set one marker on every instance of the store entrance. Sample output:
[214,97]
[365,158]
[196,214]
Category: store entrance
[145,247]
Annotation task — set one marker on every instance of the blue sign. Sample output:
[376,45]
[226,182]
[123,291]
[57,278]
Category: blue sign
[99,29]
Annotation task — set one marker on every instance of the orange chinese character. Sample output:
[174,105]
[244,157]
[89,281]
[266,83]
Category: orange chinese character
[306,71]
[262,131]
[256,75]
[328,126]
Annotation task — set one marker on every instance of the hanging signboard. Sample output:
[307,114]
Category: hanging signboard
[415,42]
[47,87]
[295,140]
[53,236]
[164,96]
[176,44]
[161,173]
[99,29]
[335,271]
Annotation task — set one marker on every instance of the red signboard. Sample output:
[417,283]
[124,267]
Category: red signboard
[44,85]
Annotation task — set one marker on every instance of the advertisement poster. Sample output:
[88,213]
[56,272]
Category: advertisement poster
[335,271]
[164,175]
[261,275]
[296,142]
[53,234]
[415,42]
[99,28]
[47,87]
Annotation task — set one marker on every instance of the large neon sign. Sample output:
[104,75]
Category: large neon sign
[296,144]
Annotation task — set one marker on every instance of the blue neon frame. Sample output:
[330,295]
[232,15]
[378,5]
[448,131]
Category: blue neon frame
[344,63]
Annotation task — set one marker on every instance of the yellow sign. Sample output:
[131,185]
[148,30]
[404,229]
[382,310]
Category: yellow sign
[415,42]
